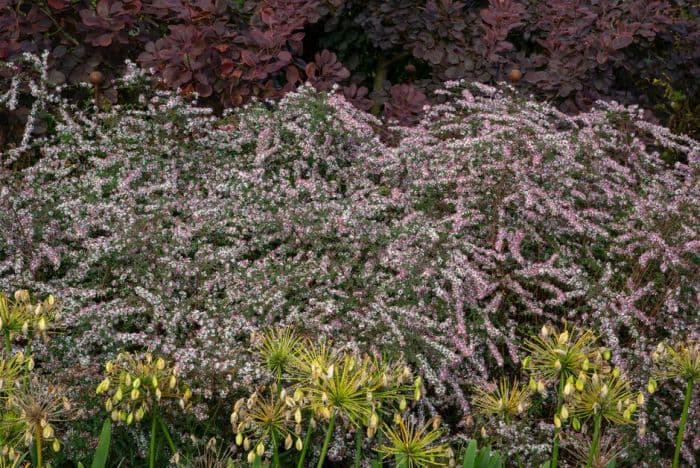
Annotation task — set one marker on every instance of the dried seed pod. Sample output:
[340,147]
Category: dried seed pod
[515,75]
[96,78]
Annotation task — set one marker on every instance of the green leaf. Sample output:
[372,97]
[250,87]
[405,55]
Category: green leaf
[611,464]
[102,451]
[470,455]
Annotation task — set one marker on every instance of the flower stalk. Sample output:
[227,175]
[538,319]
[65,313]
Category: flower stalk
[593,452]
[682,423]
[327,439]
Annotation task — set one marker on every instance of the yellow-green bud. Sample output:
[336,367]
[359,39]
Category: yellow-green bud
[532,384]
[563,337]
[47,432]
[564,413]
[568,389]
[652,386]
[576,424]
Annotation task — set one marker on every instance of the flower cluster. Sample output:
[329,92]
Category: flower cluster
[507,400]
[23,318]
[135,385]
[681,360]
[32,412]
[267,419]
[325,384]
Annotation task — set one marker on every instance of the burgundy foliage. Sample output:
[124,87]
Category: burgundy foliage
[574,51]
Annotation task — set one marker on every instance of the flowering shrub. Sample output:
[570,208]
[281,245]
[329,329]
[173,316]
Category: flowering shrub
[168,229]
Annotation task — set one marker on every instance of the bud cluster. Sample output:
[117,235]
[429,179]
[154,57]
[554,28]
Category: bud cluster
[11,370]
[20,316]
[681,360]
[556,356]
[268,418]
[317,383]
[34,409]
[608,395]
[508,400]
[135,384]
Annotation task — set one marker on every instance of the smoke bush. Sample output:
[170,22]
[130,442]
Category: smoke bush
[169,229]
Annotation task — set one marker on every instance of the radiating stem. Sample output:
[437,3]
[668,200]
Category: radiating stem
[166,433]
[358,447]
[307,441]
[327,440]
[8,344]
[152,447]
[681,425]
[593,452]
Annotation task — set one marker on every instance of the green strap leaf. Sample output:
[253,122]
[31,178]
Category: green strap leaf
[470,455]
[102,451]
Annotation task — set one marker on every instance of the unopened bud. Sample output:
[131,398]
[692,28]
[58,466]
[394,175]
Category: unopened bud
[564,413]
[563,337]
[652,386]
[568,389]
